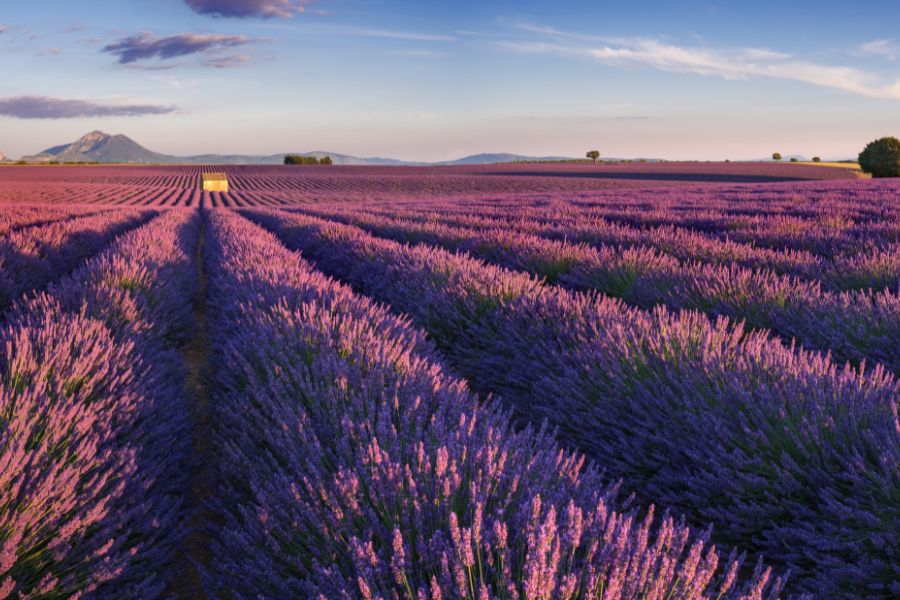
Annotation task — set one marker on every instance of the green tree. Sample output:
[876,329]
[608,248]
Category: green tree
[794,160]
[816,159]
[594,155]
[326,160]
[776,156]
[881,158]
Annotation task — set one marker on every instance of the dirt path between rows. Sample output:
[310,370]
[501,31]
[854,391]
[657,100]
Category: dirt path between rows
[197,553]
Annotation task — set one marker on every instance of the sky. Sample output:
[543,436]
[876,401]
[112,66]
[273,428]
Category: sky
[430,81]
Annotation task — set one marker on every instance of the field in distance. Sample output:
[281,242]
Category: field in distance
[280,185]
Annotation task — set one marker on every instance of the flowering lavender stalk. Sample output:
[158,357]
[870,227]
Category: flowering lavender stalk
[32,257]
[781,450]
[353,467]
[93,422]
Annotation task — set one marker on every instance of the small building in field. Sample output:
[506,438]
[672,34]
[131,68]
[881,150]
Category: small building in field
[215,182]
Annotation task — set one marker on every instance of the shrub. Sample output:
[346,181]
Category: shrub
[794,160]
[816,159]
[776,156]
[881,158]
[298,159]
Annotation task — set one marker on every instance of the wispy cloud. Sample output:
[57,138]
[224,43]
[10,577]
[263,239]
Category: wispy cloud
[351,31]
[411,36]
[242,9]
[4,28]
[145,46]
[226,62]
[728,63]
[417,53]
[886,48]
[43,107]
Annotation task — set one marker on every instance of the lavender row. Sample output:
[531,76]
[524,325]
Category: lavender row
[353,467]
[15,217]
[876,268]
[32,257]
[92,422]
[785,453]
[853,326]
[825,221]
[863,201]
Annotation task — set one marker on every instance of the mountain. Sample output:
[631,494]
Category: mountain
[101,147]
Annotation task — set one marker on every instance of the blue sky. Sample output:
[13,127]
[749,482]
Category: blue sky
[429,80]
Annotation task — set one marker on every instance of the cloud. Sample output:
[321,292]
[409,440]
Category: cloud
[226,62]
[416,53]
[243,9]
[886,48]
[727,63]
[400,35]
[4,28]
[351,31]
[144,46]
[43,107]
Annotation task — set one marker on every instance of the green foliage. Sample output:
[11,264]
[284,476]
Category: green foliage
[881,158]
[298,159]
[776,156]
[794,160]
[816,159]
[594,155]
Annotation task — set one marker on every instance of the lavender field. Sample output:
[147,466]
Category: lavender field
[521,381]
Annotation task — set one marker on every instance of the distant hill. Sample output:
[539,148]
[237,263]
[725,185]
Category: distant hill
[487,159]
[2,157]
[786,158]
[277,159]
[101,147]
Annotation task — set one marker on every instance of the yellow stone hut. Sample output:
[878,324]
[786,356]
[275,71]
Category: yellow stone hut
[215,182]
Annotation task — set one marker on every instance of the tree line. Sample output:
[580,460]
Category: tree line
[297,159]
